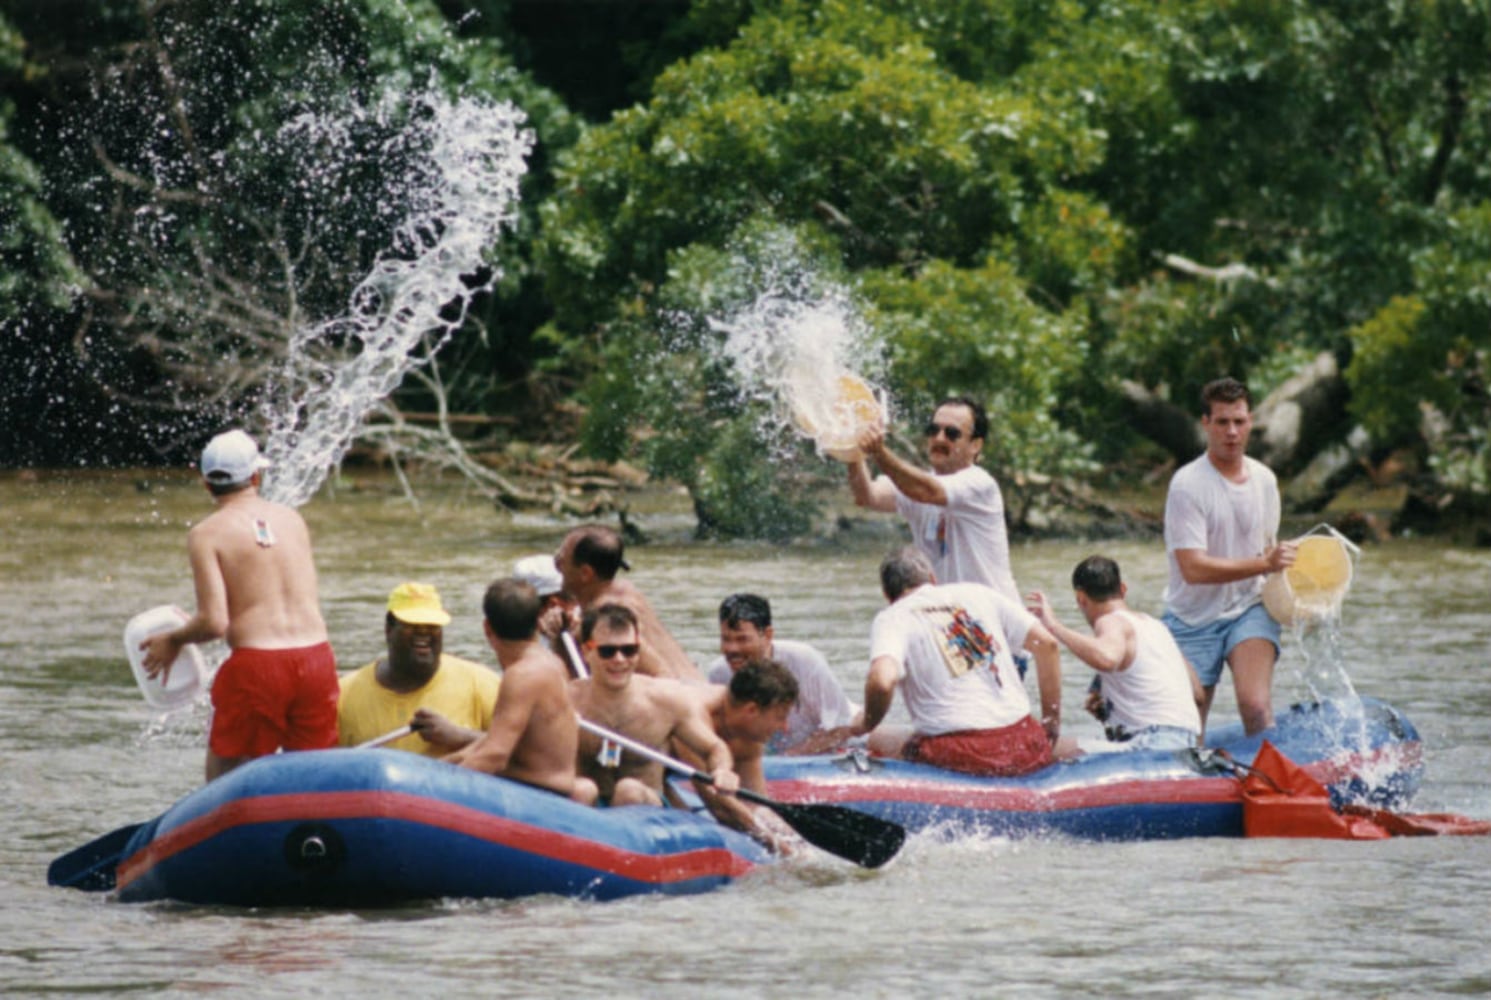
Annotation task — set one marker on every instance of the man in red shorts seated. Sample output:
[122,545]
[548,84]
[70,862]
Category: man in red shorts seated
[256,585]
[950,647]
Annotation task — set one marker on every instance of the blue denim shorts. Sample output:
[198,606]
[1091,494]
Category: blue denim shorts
[1207,646]
[1151,738]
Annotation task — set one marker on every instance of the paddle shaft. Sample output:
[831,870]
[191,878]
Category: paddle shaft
[671,763]
[855,836]
[573,657]
[386,738]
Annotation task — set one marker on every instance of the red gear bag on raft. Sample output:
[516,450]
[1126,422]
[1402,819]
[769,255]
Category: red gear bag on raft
[1281,799]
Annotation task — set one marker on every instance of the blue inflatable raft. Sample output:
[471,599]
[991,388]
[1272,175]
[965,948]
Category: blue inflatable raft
[1365,752]
[376,827]
[352,828]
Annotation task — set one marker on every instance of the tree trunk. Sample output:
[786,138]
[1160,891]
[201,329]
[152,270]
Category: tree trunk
[1160,420]
[1301,417]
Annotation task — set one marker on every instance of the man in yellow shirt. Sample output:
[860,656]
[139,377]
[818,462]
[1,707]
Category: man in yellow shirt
[447,700]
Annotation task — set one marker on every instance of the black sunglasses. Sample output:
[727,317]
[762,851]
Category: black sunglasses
[626,649]
[947,430]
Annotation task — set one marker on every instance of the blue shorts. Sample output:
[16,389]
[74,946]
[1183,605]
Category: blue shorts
[1208,646]
[1151,738]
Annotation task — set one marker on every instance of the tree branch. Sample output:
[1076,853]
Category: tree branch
[1449,136]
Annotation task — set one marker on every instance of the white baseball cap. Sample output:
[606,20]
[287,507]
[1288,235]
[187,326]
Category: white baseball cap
[231,458]
[540,573]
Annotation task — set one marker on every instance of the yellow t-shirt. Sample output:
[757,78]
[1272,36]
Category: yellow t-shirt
[462,691]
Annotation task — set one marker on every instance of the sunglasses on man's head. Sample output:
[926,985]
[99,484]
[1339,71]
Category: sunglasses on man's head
[626,649]
[947,430]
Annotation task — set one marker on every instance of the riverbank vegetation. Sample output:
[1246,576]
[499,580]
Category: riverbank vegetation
[1079,211]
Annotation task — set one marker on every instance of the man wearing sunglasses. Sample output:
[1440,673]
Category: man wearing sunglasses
[652,710]
[955,511]
[588,560]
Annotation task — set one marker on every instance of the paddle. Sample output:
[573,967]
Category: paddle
[386,738]
[866,840]
[92,867]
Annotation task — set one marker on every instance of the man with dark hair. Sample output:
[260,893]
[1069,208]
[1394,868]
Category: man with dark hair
[821,706]
[446,700]
[659,712]
[1221,537]
[558,607]
[953,645]
[533,735]
[746,714]
[588,560]
[255,581]
[955,511]
[1151,693]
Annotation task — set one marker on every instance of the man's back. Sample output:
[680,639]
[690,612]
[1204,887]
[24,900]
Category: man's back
[954,644]
[262,552]
[1155,688]
[545,754]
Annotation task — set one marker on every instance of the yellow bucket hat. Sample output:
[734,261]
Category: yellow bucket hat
[417,604]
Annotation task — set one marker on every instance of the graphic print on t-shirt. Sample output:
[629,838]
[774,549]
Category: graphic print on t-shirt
[965,645]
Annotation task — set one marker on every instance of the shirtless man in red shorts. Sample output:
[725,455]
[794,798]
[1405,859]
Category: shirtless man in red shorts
[256,585]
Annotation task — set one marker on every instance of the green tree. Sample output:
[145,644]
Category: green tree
[228,172]
[1422,364]
[841,121]
[35,266]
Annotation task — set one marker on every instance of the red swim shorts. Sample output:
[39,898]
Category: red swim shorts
[1012,750]
[265,699]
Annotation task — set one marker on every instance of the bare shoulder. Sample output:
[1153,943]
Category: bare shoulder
[538,668]
[676,698]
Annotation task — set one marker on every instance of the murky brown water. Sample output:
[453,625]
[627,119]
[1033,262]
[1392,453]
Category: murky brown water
[80,754]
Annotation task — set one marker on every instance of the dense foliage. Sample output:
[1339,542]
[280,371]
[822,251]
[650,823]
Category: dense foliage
[1028,201]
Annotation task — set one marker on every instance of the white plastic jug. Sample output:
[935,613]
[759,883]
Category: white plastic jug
[187,673]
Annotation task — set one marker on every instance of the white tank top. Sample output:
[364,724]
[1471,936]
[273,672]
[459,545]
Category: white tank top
[1155,690]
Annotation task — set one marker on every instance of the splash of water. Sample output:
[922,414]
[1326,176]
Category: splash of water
[468,158]
[793,346]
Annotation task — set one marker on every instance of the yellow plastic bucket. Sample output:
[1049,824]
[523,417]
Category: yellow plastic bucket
[1313,588]
[835,418]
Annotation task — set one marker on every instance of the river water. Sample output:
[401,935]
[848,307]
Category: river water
[81,754]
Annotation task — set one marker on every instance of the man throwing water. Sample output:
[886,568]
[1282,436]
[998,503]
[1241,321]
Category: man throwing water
[256,585]
[956,511]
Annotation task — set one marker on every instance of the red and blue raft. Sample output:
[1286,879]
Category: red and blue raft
[352,828]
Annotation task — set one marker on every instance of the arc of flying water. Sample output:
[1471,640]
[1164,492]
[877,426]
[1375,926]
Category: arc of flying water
[338,370]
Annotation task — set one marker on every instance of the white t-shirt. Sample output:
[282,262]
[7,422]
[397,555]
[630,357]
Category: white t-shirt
[821,702]
[953,646]
[1155,689]
[966,539]
[1205,510]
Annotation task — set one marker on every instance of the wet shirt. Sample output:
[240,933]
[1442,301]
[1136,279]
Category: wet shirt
[1205,510]
[821,701]
[965,539]
[953,646]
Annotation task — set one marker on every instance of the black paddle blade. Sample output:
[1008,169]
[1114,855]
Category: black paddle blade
[93,866]
[868,841]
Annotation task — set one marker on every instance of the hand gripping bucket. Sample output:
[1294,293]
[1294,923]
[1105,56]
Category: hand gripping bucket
[1312,589]
[835,414]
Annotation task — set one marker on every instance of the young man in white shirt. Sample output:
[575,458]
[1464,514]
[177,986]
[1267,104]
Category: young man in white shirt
[1221,537]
